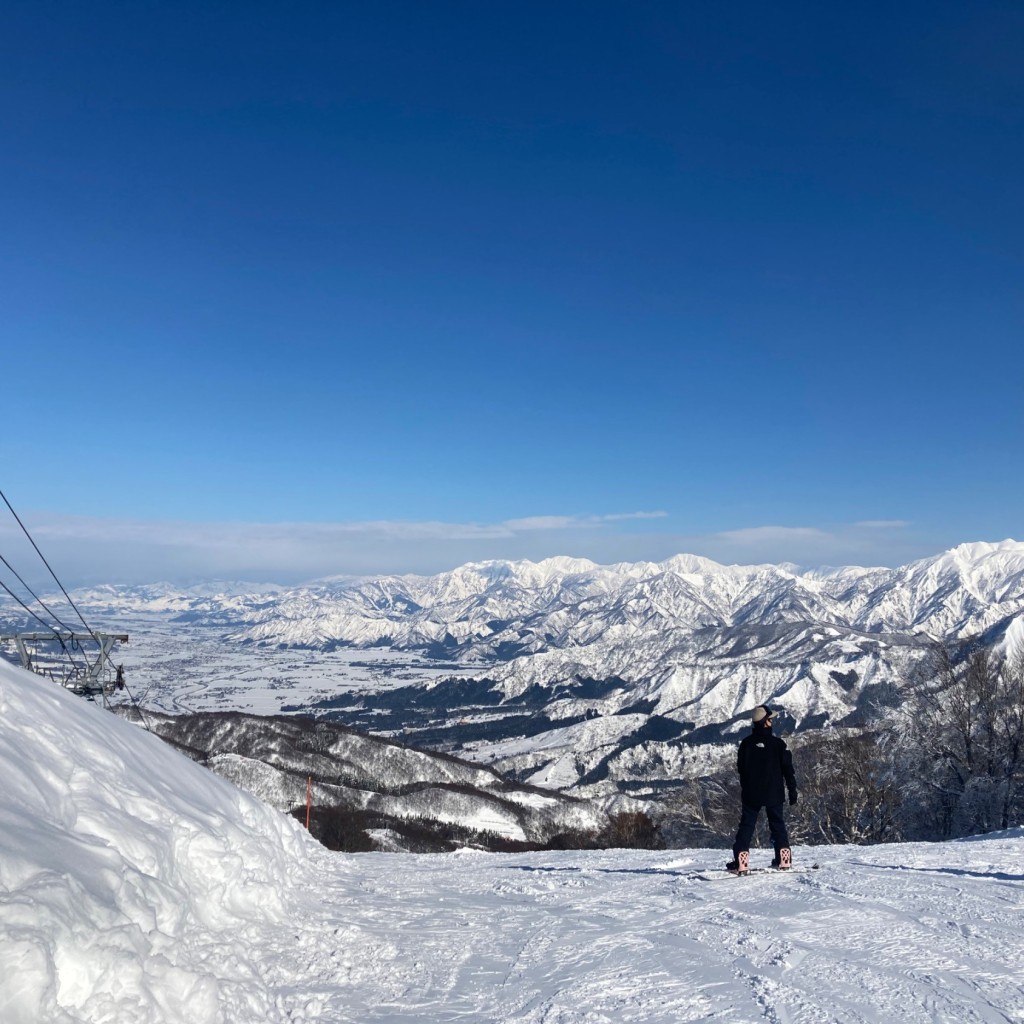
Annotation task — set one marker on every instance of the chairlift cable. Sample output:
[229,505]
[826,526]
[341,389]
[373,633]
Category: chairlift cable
[60,639]
[43,622]
[99,644]
[57,619]
[52,573]
[136,704]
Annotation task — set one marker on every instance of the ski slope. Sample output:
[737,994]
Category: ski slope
[135,886]
[893,933]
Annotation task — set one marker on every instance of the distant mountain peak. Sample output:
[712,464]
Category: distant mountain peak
[981,550]
[692,564]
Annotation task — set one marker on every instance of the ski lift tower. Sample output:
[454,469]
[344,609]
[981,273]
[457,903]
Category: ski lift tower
[89,679]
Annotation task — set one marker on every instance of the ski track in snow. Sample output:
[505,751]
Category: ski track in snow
[629,937]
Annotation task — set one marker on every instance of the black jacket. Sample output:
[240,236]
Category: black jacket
[765,763]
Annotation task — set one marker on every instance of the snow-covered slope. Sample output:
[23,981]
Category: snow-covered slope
[132,881]
[272,758]
[136,887]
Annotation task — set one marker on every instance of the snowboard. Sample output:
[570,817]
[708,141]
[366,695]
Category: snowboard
[744,868]
[721,875]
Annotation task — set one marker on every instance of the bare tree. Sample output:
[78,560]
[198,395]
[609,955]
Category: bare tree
[963,733]
[631,830]
[702,811]
[849,790]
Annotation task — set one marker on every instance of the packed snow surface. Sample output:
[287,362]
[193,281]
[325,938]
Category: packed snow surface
[137,887]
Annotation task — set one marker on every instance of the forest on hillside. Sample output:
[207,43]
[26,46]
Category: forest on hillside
[944,760]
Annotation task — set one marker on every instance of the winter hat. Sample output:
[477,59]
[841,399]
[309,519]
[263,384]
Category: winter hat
[761,713]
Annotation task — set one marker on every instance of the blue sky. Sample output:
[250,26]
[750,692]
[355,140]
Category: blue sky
[455,280]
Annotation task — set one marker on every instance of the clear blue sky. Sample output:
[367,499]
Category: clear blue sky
[749,265]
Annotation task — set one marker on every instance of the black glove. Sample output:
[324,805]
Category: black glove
[792,797]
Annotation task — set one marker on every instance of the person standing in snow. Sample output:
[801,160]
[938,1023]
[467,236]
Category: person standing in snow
[765,765]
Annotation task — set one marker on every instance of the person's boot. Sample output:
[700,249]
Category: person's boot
[741,865]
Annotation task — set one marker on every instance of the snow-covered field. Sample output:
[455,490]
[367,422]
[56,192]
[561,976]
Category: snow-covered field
[178,667]
[137,887]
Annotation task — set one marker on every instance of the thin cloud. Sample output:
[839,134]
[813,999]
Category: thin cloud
[868,542]
[883,524]
[756,535]
[618,517]
[89,550]
[572,522]
[220,534]
[106,550]
[539,523]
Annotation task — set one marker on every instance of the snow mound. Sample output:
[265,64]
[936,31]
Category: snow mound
[132,881]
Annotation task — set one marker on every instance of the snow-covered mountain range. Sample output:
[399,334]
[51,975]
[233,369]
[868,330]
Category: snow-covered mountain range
[573,674]
[497,609]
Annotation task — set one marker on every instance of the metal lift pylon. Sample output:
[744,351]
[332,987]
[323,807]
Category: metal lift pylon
[89,681]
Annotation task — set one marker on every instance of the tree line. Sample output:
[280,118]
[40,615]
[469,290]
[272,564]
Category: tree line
[945,760]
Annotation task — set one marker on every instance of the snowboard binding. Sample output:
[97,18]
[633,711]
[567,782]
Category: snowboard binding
[742,863]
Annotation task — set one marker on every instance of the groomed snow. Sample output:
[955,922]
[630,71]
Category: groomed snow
[137,887]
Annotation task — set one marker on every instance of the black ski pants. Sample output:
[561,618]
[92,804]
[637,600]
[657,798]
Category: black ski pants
[748,822]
